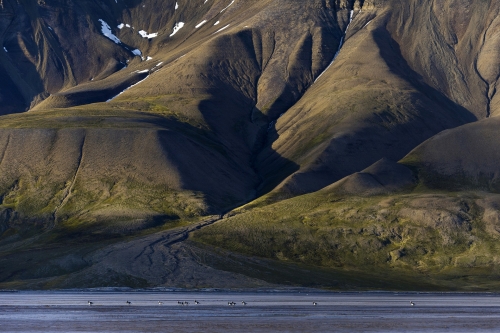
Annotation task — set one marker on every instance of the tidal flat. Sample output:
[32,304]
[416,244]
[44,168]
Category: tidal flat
[265,311]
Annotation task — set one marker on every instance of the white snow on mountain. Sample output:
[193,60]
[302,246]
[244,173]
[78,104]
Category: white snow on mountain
[200,24]
[106,31]
[145,34]
[177,27]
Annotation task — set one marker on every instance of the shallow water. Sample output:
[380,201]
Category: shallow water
[264,312]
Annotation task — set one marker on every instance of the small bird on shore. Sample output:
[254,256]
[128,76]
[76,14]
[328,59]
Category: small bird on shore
[243,302]
[90,303]
[314,303]
[196,302]
[160,303]
[411,303]
[129,302]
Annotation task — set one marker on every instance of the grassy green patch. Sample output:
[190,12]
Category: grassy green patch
[439,239]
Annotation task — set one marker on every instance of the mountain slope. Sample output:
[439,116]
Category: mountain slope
[208,84]
[129,118]
[403,75]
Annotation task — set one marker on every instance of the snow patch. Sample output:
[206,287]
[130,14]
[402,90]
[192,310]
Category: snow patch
[5,49]
[227,6]
[145,34]
[127,25]
[367,23]
[109,100]
[143,71]
[149,58]
[340,46]
[222,28]
[216,22]
[159,64]
[120,26]
[176,6]
[350,21]
[136,52]
[106,31]
[177,27]
[50,28]
[200,24]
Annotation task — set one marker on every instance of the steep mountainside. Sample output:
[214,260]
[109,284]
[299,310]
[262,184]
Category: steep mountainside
[406,72]
[129,118]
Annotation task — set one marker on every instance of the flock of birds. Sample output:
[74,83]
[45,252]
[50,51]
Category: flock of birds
[228,303]
[90,303]
[183,303]
[195,302]
[187,303]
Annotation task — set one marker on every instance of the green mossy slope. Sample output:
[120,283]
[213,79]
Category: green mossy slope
[448,241]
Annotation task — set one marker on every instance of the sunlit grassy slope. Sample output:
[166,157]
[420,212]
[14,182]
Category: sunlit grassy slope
[441,240]
[97,163]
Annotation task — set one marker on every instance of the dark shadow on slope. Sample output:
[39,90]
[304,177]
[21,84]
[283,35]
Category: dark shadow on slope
[11,99]
[232,108]
[19,60]
[239,139]
[279,168]
[225,172]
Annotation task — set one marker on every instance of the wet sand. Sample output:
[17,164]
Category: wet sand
[264,312]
